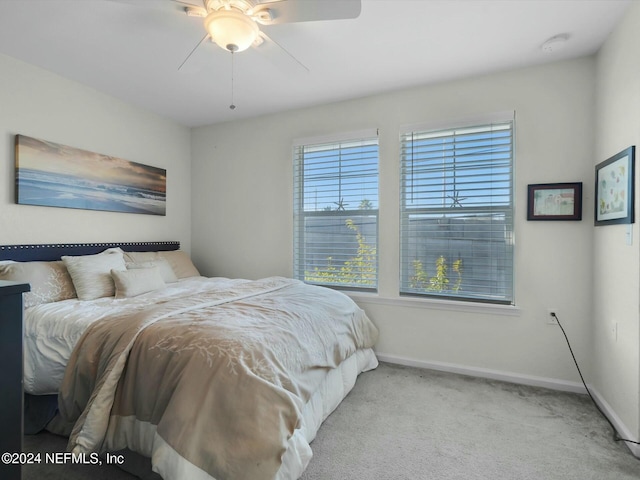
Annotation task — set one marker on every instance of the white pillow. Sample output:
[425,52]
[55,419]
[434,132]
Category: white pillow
[166,272]
[139,257]
[91,274]
[179,261]
[134,282]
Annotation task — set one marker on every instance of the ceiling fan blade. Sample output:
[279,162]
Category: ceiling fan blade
[176,5]
[291,11]
[170,5]
[194,49]
[191,3]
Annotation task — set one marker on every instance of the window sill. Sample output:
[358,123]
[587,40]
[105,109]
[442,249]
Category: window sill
[436,304]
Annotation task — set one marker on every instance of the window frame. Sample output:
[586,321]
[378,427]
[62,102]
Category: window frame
[508,210]
[300,266]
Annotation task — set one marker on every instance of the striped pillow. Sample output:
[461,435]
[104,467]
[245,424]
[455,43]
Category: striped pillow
[91,274]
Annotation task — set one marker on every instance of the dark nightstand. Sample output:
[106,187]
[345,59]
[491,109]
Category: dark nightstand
[11,395]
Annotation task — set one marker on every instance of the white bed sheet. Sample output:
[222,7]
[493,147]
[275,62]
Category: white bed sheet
[52,330]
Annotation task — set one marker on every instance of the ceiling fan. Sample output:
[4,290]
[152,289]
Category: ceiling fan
[234,25]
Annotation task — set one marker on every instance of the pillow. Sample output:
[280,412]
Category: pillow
[140,257]
[134,282]
[91,274]
[50,281]
[180,263]
[166,272]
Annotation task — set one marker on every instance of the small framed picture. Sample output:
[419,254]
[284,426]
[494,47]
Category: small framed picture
[555,201]
[614,189]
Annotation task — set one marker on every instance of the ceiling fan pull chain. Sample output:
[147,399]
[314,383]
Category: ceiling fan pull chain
[232,106]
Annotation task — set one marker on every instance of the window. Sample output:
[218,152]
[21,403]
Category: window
[336,211]
[457,212]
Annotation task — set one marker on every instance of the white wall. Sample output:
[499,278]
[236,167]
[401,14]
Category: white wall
[617,264]
[40,104]
[239,178]
[242,214]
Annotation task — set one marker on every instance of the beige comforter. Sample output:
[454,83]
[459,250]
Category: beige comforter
[219,377]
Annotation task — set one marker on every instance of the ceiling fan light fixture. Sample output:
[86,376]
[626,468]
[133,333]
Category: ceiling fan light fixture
[231,29]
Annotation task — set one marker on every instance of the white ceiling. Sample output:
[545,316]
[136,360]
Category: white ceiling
[131,49]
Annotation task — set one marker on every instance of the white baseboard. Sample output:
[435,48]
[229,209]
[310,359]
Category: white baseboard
[511,377]
[544,382]
[622,429]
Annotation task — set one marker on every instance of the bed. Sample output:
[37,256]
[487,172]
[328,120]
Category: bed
[209,378]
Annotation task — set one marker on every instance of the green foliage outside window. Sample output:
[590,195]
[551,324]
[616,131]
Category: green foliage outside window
[439,282]
[359,270]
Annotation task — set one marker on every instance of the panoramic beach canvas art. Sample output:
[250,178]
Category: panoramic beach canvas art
[53,175]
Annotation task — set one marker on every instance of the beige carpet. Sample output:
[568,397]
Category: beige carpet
[408,423]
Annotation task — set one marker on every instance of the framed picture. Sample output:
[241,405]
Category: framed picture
[614,189]
[53,175]
[555,201]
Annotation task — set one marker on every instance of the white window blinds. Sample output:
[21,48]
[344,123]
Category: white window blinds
[336,212]
[457,212]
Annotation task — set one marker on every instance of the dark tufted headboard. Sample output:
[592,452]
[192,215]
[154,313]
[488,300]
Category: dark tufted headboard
[50,252]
